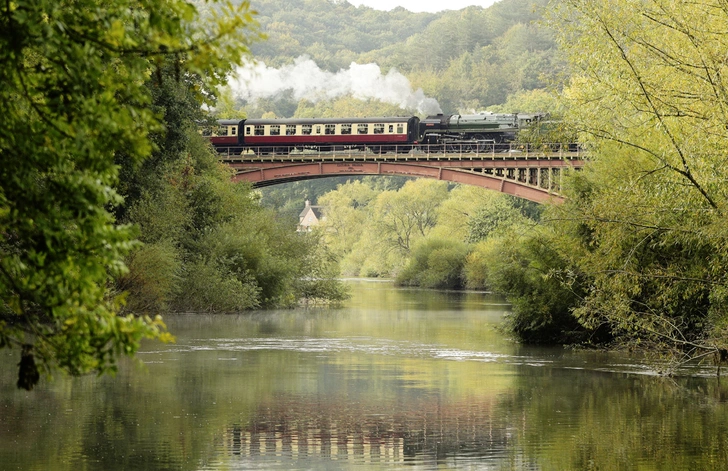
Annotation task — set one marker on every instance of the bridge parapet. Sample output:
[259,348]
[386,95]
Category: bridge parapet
[407,153]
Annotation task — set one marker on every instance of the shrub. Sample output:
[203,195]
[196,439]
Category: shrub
[152,277]
[435,263]
[207,287]
[537,282]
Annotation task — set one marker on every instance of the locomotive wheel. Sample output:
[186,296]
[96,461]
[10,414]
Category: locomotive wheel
[479,146]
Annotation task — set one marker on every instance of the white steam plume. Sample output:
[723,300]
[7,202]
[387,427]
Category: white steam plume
[306,80]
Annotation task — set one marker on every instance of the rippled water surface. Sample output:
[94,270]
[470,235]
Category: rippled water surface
[395,379]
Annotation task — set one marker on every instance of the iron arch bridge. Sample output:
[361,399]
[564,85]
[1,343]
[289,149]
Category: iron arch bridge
[522,170]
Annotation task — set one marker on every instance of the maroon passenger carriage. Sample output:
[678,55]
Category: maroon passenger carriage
[225,134]
[261,136]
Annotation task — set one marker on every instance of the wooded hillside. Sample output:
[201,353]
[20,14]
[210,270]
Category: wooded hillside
[467,60]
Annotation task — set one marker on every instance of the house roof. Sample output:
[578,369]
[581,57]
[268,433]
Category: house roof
[317,211]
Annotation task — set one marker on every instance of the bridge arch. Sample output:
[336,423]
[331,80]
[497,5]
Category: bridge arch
[537,182]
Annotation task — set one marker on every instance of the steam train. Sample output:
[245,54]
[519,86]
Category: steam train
[474,132]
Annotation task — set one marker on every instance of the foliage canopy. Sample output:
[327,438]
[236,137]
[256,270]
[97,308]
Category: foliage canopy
[641,241]
[73,94]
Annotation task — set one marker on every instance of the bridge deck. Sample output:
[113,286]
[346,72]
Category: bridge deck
[498,152]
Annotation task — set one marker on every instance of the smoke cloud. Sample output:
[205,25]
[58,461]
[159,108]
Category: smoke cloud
[307,81]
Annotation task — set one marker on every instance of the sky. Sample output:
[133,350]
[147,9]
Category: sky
[432,6]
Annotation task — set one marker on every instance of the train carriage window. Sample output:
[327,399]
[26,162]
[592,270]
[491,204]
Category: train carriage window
[318,129]
[233,130]
[391,128]
[346,129]
[306,129]
[275,130]
[330,129]
[290,130]
[220,131]
[378,129]
[400,129]
[259,130]
[247,130]
[362,128]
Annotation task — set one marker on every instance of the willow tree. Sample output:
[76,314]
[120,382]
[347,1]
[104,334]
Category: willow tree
[404,216]
[649,95]
[72,93]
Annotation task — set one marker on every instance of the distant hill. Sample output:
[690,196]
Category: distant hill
[333,33]
[467,60]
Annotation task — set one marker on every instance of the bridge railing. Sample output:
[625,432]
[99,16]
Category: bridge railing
[474,150]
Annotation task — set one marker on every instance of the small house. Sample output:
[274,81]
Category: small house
[309,217]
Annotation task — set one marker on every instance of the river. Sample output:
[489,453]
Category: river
[394,379]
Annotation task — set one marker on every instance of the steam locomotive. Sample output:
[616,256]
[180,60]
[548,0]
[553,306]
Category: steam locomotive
[474,132]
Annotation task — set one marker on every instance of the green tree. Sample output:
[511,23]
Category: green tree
[318,275]
[497,214]
[537,100]
[73,93]
[345,215]
[453,214]
[650,97]
[403,216]
[347,106]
